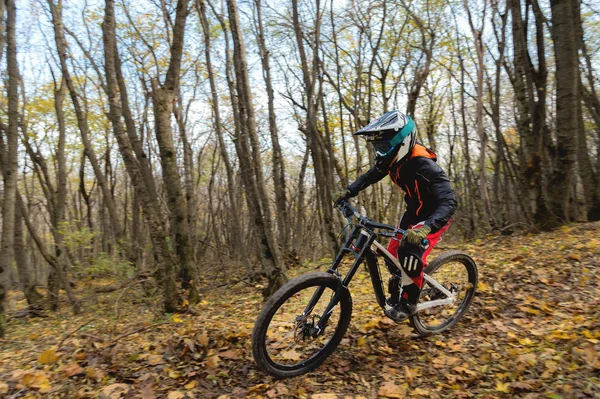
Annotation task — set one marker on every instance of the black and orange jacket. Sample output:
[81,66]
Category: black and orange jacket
[429,195]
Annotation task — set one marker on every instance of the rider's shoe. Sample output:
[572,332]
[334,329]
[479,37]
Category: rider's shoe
[401,311]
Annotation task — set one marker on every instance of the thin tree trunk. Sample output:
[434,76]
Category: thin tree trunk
[300,209]
[273,265]
[530,88]
[234,202]
[283,224]
[10,160]
[483,137]
[61,45]
[26,273]
[472,204]
[320,157]
[60,272]
[163,97]
[164,270]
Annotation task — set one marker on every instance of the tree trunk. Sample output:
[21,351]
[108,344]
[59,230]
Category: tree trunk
[163,97]
[320,157]
[164,270]
[163,102]
[62,278]
[61,46]
[26,275]
[273,265]
[483,137]
[234,202]
[283,224]
[567,80]
[589,177]
[10,160]
[300,209]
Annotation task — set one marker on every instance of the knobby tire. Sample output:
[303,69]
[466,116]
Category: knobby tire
[437,264]
[259,335]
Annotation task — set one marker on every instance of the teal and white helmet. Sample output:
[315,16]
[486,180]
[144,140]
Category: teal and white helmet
[392,136]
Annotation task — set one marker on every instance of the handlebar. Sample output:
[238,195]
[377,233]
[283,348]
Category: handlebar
[349,211]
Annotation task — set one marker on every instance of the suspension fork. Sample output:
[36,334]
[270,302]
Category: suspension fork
[365,251]
[346,248]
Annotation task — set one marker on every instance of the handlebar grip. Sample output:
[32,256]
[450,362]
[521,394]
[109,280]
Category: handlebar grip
[424,243]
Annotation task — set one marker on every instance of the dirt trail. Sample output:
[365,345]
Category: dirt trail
[533,331]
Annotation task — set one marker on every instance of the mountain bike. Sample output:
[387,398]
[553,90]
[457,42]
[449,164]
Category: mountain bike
[305,320]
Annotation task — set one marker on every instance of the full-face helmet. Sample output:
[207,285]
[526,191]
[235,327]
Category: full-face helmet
[392,136]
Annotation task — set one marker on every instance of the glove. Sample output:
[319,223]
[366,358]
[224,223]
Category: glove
[341,196]
[417,235]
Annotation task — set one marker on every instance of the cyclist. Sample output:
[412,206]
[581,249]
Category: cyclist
[430,199]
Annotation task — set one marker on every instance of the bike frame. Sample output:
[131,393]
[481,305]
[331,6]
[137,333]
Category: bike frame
[363,234]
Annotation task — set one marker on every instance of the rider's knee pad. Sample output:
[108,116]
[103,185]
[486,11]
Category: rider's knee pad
[412,265]
[410,260]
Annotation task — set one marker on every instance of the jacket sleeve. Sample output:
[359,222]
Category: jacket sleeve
[441,191]
[372,176]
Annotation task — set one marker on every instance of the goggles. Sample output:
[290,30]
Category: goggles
[381,146]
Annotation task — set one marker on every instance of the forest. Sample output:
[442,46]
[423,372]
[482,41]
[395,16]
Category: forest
[154,151]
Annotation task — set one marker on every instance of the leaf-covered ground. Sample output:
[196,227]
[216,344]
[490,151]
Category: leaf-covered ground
[533,331]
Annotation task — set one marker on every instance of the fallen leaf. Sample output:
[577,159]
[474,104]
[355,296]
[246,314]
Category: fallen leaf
[174,374]
[3,387]
[409,375]
[203,339]
[521,386]
[390,390]
[147,392]
[420,392]
[48,357]
[529,310]
[282,389]
[155,359]
[73,369]
[34,379]
[175,395]
[404,330]
[212,361]
[483,287]
[528,358]
[290,355]
[259,387]
[327,395]
[191,384]
[502,387]
[115,391]
[45,387]
[229,354]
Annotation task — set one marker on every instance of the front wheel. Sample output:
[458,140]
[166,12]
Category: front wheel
[286,340]
[457,273]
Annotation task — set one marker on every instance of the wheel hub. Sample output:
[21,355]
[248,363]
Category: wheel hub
[306,329]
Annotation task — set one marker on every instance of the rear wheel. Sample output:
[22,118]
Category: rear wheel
[286,340]
[456,272]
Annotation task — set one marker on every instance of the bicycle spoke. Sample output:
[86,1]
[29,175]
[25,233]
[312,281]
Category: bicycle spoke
[453,276]
[292,330]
